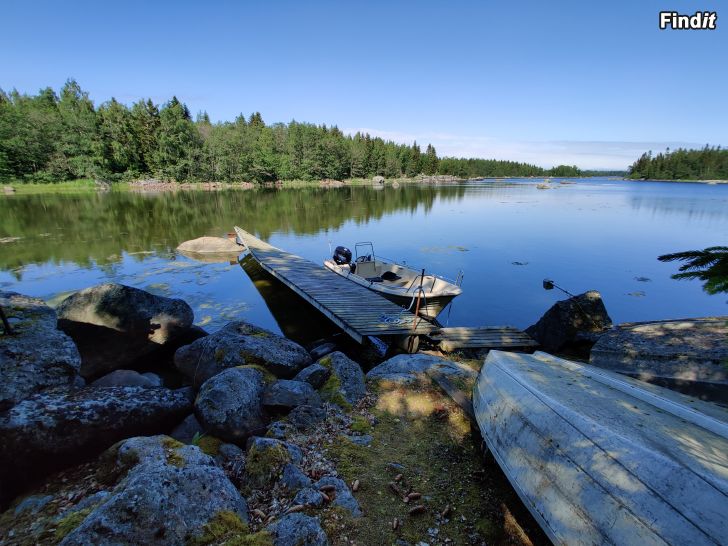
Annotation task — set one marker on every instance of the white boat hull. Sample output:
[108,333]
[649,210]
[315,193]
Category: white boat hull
[436,294]
[599,458]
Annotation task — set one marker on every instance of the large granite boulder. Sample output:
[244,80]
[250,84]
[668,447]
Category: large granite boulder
[210,245]
[688,354]
[580,319]
[230,404]
[407,369]
[38,356]
[346,384]
[237,344]
[50,430]
[297,530]
[169,493]
[286,394]
[114,326]
[315,375]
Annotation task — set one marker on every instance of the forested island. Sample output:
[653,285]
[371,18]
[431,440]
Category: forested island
[52,137]
[709,163]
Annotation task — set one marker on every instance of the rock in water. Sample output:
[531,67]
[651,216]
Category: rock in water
[115,325]
[297,530]
[210,245]
[237,344]
[581,318]
[169,494]
[38,356]
[346,377]
[286,394]
[230,404]
[50,430]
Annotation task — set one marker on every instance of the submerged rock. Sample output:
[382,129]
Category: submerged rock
[230,404]
[38,356]
[115,325]
[170,494]
[578,319]
[297,530]
[51,430]
[238,344]
[286,394]
[346,382]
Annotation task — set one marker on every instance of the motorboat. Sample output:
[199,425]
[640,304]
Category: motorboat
[419,291]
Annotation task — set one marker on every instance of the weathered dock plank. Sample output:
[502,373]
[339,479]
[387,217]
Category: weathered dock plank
[486,337]
[357,311]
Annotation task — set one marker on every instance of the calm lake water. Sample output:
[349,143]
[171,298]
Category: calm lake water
[506,236]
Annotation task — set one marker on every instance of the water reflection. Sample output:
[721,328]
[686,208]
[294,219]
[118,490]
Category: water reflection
[505,235]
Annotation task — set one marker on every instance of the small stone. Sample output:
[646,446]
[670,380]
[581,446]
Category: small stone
[309,497]
[315,375]
[294,479]
[297,529]
[286,394]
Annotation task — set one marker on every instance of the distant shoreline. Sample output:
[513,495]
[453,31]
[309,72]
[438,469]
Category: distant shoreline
[159,186]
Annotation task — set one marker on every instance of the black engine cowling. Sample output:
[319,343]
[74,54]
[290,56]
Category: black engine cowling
[342,255]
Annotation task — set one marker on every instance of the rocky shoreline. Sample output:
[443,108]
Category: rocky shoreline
[245,438]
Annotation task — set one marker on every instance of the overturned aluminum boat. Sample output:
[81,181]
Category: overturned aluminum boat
[396,282]
[600,458]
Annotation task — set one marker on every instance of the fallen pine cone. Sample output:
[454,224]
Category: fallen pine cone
[270,518]
[446,512]
[355,486]
[258,514]
[419,509]
[398,477]
[325,496]
[395,488]
[296,508]
[414,496]
[327,488]
[395,524]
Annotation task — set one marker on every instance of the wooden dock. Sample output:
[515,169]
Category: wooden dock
[359,312]
[487,337]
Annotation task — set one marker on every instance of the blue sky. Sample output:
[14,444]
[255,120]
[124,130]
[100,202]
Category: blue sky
[578,82]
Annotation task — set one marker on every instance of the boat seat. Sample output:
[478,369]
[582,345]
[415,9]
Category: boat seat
[366,269]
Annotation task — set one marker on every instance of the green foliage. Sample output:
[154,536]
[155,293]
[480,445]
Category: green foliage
[51,138]
[709,265]
[227,528]
[71,522]
[710,163]
[493,168]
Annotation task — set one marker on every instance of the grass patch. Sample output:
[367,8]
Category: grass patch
[360,424]
[264,464]
[227,528]
[424,436]
[70,186]
[209,445]
[70,523]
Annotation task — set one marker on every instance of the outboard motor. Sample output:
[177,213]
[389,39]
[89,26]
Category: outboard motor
[342,255]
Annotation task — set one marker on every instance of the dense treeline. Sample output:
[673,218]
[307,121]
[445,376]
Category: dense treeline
[710,163]
[488,168]
[52,137]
